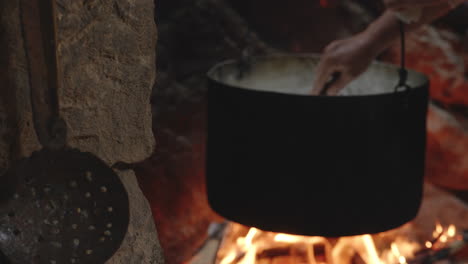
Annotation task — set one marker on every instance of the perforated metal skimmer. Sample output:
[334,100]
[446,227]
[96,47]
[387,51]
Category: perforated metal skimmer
[68,207]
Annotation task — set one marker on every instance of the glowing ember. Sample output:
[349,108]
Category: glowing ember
[428,244]
[243,245]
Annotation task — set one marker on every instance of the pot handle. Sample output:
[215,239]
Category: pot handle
[402,72]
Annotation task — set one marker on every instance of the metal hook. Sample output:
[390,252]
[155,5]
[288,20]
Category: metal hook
[402,72]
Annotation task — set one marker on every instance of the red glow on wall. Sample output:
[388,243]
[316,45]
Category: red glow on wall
[328,3]
[324,3]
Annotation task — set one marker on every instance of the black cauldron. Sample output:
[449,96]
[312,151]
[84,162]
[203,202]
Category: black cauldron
[282,160]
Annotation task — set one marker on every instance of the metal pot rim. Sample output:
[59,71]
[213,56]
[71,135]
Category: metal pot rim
[418,80]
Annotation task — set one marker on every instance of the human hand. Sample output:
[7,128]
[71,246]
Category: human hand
[343,61]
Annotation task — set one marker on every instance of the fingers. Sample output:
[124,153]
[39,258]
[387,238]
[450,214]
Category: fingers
[323,73]
[333,78]
[332,46]
[338,84]
[330,83]
[324,69]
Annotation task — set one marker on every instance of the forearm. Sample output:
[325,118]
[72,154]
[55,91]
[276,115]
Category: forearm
[385,30]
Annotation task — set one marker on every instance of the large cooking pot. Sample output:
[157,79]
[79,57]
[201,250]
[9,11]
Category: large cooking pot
[282,160]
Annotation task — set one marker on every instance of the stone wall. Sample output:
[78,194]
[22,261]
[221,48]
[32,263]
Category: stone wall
[107,54]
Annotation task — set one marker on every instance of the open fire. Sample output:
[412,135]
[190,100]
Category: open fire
[244,245]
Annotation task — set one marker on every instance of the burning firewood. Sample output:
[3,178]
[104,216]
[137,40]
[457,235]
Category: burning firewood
[446,253]
[414,243]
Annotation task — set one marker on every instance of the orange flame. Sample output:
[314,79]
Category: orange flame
[255,244]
